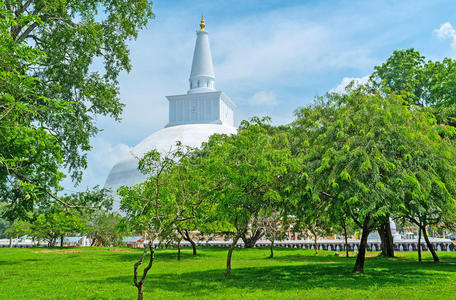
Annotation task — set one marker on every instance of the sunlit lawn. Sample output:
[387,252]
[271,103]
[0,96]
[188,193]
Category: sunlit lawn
[99,273]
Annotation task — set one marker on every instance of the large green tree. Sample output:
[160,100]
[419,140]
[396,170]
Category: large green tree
[359,149]
[59,65]
[247,169]
[419,82]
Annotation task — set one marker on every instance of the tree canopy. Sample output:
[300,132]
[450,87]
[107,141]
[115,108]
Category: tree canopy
[60,61]
[361,153]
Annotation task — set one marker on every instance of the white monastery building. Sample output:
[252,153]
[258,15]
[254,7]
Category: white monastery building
[193,118]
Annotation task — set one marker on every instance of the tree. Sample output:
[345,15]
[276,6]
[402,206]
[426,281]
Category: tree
[17,229]
[312,215]
[246,169]
[57,221]
[420,82]
[157,205]
[50,91]
[104,229]
[428,182]
[57,224]
[359,148]
[274,229]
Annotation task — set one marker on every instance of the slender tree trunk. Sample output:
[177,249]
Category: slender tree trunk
[429,245]
[384,230]
[139,284]
[315,242]
[94,239]
[230,252]
[11,242]
[140,292]
[179,250]
[193,246]
[61,241]
[346,240]
[190,240]
[359,264]
[419,243]
[272,249]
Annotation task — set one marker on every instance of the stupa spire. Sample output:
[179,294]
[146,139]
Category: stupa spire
[202,24]
[202,77]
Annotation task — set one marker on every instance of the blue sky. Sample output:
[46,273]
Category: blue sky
[270,57]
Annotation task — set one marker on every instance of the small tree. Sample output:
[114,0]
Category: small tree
[246,170]
[54,225]
[104,229]
[157,205]
[17,229]
[274,229]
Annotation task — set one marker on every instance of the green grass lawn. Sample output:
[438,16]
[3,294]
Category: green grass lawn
[98,273]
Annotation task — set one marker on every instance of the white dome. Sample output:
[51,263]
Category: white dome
[126,172]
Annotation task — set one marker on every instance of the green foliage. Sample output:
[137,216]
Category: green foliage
[52,225]
[104,229]
[420,82]
[169,195]
[387,152]
[78,218]
[18,229]
[49,91]
[246,170]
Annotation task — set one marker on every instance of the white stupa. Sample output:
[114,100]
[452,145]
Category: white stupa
[193,118]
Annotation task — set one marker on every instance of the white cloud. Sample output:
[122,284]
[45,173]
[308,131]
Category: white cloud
[446,31]
[263,98]
[340,89]
[280,53]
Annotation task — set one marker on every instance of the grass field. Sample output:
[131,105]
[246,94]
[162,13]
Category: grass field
[100,273]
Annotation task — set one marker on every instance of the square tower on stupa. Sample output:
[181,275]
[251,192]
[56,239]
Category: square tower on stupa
[202,104]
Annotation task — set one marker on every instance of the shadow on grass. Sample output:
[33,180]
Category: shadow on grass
[165,255]
[8,263]
[338,274]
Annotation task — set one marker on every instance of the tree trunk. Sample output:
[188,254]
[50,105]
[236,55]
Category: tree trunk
[230,252]
[272,249]
[419,243]
[387,245]
[139,284]
[179,250]
[61,241]
[249,242]
[315,243]
[429,245]
[193,246]
[346,240]
[93,242]
[189,239]
[11,242]
[359,264]
[140,292]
